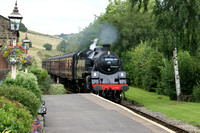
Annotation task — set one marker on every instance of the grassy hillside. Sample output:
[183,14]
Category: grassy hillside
[38,40]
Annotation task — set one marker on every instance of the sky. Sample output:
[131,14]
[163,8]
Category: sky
[55,16]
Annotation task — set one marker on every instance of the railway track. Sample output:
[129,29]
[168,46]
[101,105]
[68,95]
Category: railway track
[157,120]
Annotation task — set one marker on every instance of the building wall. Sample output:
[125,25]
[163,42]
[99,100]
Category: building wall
[5,33]
[4,68]
[3,63]
[5,37]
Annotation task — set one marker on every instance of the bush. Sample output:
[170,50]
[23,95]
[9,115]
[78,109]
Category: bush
[48,46]
[46,85]
[14,117]
[188,71]
[167,84]
[144,67]
[57,89]
[42,77]
[196,93]
[24,80]
[22,95]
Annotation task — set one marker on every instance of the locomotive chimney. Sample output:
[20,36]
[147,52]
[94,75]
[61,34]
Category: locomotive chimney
[106,47]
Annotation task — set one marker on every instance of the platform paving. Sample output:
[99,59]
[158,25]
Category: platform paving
[87,113]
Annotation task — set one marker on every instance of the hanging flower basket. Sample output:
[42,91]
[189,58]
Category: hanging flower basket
[13,54]
[27,61]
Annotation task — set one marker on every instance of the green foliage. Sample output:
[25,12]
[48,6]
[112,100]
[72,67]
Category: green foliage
[144,67]
[42,78]
[22,95]
[196,93]
[48,46]
[24,80]
[62,46]
[65,36]
[30,45]
[140,3]
[188,71]
[14,117]
[23,28]
[167,84]
[57,89]
[180,20]
[88,35]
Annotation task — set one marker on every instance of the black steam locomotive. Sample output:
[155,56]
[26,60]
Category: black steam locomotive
[97,70]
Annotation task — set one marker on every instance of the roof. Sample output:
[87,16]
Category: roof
[60,56]
[4,17]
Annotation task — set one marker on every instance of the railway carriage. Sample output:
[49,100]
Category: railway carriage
[97,70]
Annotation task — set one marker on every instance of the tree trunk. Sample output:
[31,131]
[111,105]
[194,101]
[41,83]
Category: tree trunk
[177,78]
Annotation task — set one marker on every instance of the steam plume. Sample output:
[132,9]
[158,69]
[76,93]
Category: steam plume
[109,34]
[93,45]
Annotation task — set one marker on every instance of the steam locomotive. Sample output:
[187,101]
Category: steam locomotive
[97,70]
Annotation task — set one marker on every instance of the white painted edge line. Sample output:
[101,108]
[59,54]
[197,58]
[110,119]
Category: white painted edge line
[161,126]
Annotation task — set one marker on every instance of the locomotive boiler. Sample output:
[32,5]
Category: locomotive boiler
[97,71]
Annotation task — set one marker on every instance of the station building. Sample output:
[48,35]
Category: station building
[5,38]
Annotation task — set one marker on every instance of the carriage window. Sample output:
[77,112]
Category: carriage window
[70,64]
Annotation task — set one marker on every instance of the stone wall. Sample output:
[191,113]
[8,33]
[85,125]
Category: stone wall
[5,33]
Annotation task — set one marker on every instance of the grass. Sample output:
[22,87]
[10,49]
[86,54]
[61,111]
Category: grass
[38,40]
[184,111]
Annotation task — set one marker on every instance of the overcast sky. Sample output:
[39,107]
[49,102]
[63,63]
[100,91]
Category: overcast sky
[55,16]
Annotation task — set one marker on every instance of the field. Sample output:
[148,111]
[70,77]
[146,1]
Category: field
[184,111]
[38,40]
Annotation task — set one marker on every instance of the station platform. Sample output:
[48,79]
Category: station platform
[88,113]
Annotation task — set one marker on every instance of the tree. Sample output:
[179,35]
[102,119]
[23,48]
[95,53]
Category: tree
[23,28]
[140,4]
[133,26]
[62,46]
[48,46]
[178,23]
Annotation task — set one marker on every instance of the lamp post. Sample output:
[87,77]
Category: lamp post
[26,43]
[15,21]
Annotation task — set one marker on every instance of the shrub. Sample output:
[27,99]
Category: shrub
[22,95]
[144,67]
[57,89]
[48,46]
[46,85]
[188,71]
[24,80]
[167,84]
[14,117]
[42,77]
[196,93]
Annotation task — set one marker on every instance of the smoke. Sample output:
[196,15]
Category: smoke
[93,45]
[109,34]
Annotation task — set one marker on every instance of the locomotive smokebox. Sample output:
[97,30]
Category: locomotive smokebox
[106,47]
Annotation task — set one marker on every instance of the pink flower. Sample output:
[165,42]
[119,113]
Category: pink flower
[19,119]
